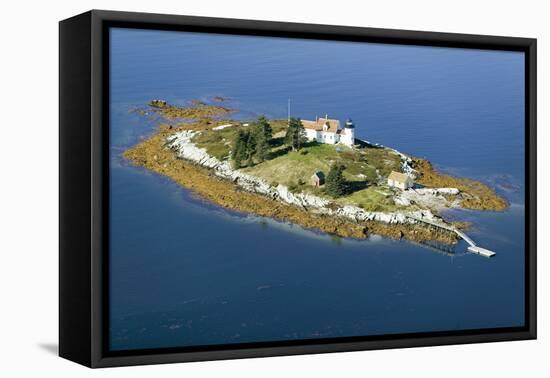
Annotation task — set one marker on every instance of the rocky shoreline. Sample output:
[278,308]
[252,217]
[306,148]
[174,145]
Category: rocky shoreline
[170,152]
[181,143]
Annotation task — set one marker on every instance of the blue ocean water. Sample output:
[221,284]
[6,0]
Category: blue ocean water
[185,272]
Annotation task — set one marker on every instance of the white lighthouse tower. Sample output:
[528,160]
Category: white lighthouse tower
[348,134]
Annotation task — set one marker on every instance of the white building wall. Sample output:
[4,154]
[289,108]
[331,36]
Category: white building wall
[396,184]
[348,138]
[312,134]
[329,138]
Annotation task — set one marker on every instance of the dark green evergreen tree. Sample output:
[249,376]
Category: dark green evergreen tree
[262,134]
[263,123]
[261,151]
[335,184]
[295,134]
[249,147]
[252,144]
[238,153]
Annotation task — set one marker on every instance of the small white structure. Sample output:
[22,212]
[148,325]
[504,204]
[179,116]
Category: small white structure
[325,130]
[400,180]
[221,127]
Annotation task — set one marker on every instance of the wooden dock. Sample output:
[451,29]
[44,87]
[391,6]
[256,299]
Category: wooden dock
[481,251]
[473,247]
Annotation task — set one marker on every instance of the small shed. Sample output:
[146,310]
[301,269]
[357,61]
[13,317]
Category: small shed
[318,179]
[400,180]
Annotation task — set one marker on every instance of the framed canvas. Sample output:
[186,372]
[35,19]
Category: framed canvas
[234,188]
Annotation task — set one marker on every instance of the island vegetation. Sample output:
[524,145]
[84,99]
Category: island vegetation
[275,151]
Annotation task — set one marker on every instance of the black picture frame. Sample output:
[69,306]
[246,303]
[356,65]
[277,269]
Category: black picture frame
[84,186]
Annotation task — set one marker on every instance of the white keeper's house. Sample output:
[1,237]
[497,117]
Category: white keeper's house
[326,130]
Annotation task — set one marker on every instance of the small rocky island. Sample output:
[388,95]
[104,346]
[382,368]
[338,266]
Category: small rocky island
[314,173]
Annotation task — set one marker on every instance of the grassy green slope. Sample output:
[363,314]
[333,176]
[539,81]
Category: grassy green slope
[366,167]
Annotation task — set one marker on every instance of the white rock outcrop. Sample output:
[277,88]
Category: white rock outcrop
[181,142]
[221,127]
[432,198]
[406,161]
[437,191]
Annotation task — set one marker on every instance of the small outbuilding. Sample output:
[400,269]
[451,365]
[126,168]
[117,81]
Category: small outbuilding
[400,180]
[318,179]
